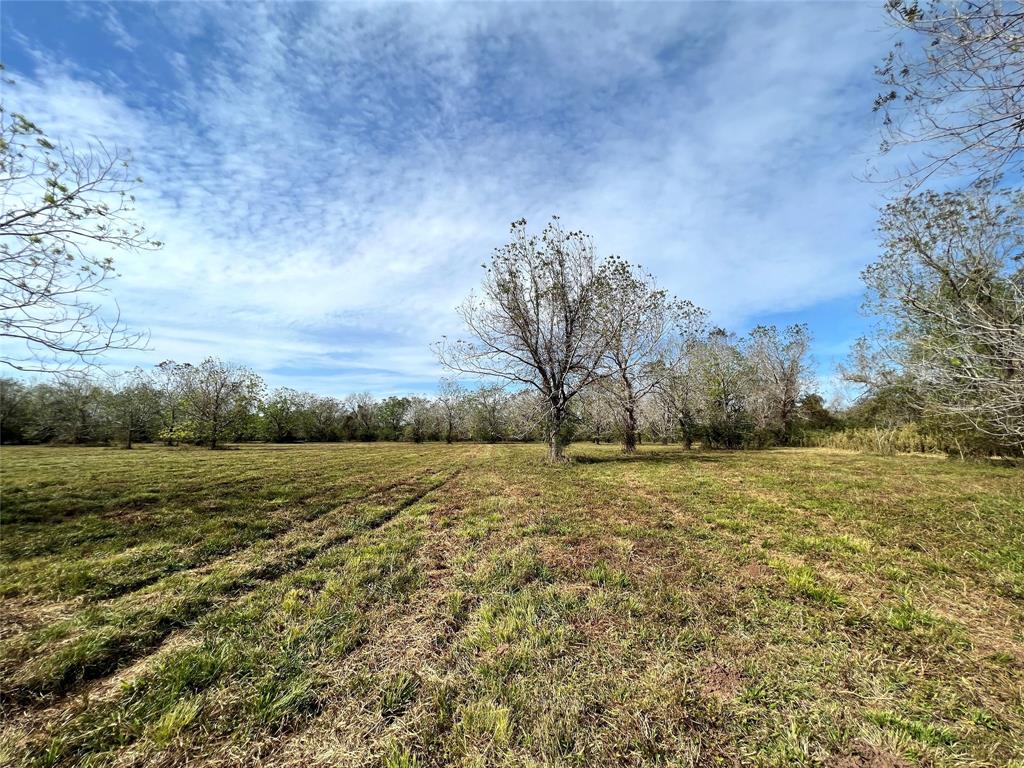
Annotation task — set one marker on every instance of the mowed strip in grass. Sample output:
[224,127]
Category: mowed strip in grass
[403,605]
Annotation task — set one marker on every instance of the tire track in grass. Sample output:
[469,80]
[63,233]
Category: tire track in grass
[195,554]
[410,638]
[65,611]
[305,524]
[84,730]
[410,628]
[98,653]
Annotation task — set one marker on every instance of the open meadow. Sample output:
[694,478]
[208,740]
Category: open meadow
[400,605]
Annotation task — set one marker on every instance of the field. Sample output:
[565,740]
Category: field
[402,605]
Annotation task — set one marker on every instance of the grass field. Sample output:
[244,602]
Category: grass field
[403,605]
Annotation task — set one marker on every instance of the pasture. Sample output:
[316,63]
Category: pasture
[429,605]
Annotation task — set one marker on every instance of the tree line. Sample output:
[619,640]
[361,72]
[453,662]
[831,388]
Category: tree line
[719,399]
[214,402]
[596,339]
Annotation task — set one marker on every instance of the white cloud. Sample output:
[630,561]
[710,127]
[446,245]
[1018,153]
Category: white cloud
[329,178]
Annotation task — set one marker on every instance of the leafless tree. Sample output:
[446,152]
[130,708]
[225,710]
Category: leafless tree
[950,289]
[452,401]
[62,213]
[639,322]
[598,414]
[488,413]
[954,83]
[525,415]
[676,396]
[420,419]
[780,369]
[534,322]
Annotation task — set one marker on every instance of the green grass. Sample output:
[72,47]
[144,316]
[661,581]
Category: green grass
[401,605]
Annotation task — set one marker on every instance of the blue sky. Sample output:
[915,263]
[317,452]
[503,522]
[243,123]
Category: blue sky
[329,178]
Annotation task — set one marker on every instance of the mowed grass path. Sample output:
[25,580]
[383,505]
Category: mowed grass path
[401,605]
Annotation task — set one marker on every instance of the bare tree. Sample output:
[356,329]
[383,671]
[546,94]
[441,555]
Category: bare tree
[657,418]
[721,380]
[452,400]
[868,367]
[488,407]
[678,390]
[780,368]
[62,212]
[535,321]
[954,83]
[950,289]
[638,321]
[524,415]
[598,413]
[420,419]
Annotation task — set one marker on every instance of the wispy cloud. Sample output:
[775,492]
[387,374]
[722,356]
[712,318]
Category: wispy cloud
[328,179]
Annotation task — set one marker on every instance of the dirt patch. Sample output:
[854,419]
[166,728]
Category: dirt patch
[590,627]
[27,613]
[755,573]
[863,755]
[573,555]
[722,682]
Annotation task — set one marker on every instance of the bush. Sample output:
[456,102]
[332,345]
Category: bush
[759,439]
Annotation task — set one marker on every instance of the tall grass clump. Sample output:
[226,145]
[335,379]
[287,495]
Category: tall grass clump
[887,441]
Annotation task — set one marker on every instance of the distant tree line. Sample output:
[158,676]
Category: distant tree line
[723,392]
[213,403]
[592,349]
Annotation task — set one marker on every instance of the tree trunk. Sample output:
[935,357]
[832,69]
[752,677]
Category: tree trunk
[556,451]
[629,436]
[170,427]
[556,445]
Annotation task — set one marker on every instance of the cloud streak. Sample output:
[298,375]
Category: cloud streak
[328,179]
